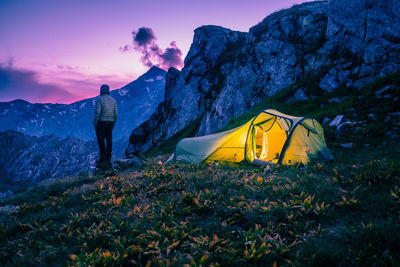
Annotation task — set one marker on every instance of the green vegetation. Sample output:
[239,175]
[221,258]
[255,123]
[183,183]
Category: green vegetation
[168,145]
[362,100]
[338,213]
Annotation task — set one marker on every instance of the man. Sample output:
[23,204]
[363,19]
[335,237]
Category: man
[105,116]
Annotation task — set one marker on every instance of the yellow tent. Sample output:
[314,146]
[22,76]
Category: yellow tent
[270,136]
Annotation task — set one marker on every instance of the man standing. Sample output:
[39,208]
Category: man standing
[105,116]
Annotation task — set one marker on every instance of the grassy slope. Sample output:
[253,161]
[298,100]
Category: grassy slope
[339,213]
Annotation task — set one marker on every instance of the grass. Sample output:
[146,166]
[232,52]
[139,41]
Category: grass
[336,214]
[212,214]
[319,106]
[168,145]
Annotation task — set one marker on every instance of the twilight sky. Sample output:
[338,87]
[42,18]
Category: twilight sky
[60,51]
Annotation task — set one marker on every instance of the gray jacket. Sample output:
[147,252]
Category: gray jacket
[105,109]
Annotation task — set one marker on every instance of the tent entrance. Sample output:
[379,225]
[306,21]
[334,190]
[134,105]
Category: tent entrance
[269,140]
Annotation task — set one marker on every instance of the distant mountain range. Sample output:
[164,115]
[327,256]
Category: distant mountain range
[46,141]
[136,102]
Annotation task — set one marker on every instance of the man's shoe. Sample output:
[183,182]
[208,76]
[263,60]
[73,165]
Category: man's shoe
[101,161]
[108,164]
[102,158]
[99,164]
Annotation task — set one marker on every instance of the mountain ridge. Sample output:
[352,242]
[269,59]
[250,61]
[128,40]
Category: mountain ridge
[227,72]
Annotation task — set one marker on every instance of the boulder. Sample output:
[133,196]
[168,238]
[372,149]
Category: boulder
[6,194]
[299,95]
[379,93]
[372,116]
[130,161]
[347,145]
[336,121]
[9,209]
[335,77]
[334,100]
[326,120]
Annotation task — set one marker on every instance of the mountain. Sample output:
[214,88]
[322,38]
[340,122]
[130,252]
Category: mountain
[29,159]
[324,44]
[136,102]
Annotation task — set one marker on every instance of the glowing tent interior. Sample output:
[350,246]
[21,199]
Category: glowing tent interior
[271,137]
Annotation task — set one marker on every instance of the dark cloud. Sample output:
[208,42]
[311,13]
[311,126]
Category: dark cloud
[125,48]
[24,84]
[143,37]
[144,41]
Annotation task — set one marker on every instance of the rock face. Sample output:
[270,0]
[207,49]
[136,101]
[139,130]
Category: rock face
[136,102]
[226,72]
[29,159]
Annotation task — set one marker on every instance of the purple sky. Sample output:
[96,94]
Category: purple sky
[63,50]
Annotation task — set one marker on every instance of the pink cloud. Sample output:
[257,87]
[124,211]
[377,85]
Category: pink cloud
[24,84]
[64,84]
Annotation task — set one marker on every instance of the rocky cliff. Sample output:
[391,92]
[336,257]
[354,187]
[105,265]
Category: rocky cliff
[136,102]
[29,159]
[340,42]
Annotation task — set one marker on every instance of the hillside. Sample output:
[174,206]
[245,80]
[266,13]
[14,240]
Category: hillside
[341,213]
[338,43]
[28,159]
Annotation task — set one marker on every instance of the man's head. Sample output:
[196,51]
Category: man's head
[105,89]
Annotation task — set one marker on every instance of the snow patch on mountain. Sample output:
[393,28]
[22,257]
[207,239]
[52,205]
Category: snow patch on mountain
[122,92]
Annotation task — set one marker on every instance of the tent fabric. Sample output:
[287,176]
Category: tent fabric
[271,136]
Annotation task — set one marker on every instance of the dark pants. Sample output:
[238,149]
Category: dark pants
[104,131]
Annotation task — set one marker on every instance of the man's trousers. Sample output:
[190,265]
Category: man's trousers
[104,133]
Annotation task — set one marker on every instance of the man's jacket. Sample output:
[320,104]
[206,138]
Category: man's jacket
[105,109]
